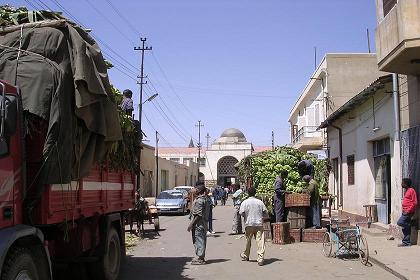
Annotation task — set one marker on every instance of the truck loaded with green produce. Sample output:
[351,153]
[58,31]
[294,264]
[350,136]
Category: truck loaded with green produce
[67,155]
[262,169]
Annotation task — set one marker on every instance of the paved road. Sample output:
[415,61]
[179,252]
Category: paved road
[167,256]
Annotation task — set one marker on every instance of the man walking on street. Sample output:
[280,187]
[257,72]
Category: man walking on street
[199,221]
[237,222]
[253,211]
[315,212]
[279,192]
[409,206]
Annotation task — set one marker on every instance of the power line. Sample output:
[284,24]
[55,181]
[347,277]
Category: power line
[124,18]
[110,22]
[170,111]
[170,85]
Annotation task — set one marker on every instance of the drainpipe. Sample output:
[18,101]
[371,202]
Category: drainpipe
[395,95]
[340,144]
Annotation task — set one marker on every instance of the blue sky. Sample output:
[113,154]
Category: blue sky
[228,63]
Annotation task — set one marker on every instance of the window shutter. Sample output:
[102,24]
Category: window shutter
[388,5]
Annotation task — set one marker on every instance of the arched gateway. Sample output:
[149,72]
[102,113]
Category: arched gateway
[226,172]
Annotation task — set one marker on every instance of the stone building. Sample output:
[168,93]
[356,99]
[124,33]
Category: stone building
[217,163]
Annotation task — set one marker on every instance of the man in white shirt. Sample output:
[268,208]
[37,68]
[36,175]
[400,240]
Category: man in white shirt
[253,211]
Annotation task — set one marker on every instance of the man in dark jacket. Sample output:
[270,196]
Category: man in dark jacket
[305,167]
[199,221]
[315,211]
[280,190]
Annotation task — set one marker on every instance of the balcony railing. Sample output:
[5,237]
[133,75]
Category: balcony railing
[306,132]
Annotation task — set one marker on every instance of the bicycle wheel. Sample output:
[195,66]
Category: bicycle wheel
[327,244]
[363,250]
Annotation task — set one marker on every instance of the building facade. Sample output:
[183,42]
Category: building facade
[337,79]
[364,153]
[217,164]
[398,48]
[164,174]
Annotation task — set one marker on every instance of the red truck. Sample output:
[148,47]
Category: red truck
[77,220]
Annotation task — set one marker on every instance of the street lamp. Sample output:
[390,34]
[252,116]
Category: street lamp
[151,98]
[141,131]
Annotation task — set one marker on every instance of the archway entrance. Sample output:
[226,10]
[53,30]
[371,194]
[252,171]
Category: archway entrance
[226,172]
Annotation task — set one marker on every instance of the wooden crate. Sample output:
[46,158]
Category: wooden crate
[297,199]
[297,217]
[313,235]
[267,231]
[295,235]
[281,233]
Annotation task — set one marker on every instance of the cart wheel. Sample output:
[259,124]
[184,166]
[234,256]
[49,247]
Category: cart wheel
[327,245]
[363,250]
[156,223]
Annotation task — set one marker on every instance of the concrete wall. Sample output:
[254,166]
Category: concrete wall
[178,174]
[358,134]
[347,75]
[409,101]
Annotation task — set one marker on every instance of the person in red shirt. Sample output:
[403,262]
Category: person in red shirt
[409,206]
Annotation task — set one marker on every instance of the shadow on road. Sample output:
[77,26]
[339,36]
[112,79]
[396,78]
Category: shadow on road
[216,261]
[269,261]
[154,268]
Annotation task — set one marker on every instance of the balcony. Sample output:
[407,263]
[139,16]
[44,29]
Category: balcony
[308,138]
[398,39]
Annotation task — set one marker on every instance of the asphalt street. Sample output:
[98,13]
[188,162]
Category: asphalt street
[167,255]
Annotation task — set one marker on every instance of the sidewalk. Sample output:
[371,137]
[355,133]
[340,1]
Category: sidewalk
[402,262]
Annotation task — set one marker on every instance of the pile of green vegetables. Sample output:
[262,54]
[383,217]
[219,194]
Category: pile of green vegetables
[263,168]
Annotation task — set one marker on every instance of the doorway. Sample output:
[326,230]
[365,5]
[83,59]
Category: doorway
[382,172]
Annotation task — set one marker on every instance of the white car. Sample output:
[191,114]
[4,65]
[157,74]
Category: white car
[186,188]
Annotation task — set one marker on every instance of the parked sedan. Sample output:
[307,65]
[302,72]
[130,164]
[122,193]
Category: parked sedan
[172,201]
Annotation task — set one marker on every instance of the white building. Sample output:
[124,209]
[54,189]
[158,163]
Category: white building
[365,154]
[337,79]
[217,164]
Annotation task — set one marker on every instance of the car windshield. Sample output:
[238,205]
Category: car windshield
[166,195]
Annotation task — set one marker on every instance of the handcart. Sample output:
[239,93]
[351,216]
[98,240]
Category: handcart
[345,240]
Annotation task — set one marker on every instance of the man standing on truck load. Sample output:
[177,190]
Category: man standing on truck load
[127,102]
[279,192]
[253,211]
[409,206]
[314,212]
[199,220]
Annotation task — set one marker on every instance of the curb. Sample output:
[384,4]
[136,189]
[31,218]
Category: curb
[387,268]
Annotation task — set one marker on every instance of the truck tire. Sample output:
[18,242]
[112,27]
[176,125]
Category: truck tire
[20,265]
[108,267]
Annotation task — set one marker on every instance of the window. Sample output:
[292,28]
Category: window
[202,162]
[174,160]
[381,147]
[388,5]
[317,122]
[350,170]
[164,180]
[187,160]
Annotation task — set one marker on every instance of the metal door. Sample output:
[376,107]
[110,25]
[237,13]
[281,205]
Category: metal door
[382,187]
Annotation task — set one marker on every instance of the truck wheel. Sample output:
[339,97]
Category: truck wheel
[108,267]
[20,266]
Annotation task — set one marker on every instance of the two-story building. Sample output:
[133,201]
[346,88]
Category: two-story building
[337,79]
[398,51]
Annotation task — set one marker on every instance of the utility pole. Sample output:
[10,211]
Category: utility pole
[272,139]
[143,48]
[199,125]
[208,140]
[157,164]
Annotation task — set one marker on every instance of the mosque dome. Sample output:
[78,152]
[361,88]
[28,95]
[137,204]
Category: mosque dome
[232,135]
